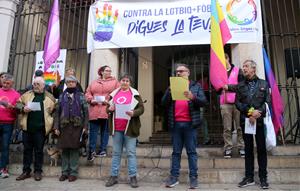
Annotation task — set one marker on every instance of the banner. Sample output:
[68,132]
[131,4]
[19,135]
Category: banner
[141,24]
[56,71]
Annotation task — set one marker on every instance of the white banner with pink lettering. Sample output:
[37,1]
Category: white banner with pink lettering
[140,24]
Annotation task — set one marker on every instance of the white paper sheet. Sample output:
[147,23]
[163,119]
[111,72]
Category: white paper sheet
[121,111]
[250,128]
[34,106]
[99,99]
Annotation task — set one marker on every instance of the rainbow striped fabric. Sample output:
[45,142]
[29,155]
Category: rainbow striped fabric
[220,34]
[277,108]
[52,42]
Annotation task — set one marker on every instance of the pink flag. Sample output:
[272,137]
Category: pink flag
[52,41]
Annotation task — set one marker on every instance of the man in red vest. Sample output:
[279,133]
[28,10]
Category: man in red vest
[229,112]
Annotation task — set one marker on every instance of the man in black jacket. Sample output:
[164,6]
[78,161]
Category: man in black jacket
[251,96]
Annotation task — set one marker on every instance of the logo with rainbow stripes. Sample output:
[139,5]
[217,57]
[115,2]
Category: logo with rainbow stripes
[105,21]
[241,21]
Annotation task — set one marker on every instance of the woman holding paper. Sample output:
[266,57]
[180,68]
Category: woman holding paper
[125,107]
[97,95]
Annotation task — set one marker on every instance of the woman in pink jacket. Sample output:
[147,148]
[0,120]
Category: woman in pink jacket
[97,95]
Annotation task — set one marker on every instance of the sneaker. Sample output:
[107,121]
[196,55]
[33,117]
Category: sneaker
[133,182]
[171,182]
[242,153]
[4,173]
[91,156]
[193,182]
[247,181]
[227,154]
[264,184]
[101,154]
[111,181]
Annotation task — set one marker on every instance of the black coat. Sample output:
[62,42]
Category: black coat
[244,101]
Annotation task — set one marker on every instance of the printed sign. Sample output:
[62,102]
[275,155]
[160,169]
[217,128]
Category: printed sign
[140,24]
[56,71]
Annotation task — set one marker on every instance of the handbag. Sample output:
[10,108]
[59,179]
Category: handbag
[269,130]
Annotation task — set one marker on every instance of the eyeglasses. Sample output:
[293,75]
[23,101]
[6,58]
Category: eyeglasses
[180,71]
[107,70]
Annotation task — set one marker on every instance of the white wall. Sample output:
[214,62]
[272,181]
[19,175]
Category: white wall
[7,15]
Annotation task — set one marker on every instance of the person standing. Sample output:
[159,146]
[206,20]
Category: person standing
[71,121]
[36,121]
[229,112]
[183,121]
[251,96]
[97,95]
[124,131]
[8,100]
[57,91]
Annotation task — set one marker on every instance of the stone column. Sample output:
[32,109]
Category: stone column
[7,15]
[253,51]
[103,57]
[145,88]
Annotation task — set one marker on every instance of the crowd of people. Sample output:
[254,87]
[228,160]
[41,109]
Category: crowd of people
[70,114]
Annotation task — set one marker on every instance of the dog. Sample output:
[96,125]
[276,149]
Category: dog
[54,154]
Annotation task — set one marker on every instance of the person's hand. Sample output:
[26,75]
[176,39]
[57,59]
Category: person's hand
[252,120]
[111,108]
[188,94]
[56,132]
[9,106]
[26,109]
[256,114]
[105,102]
[130,113]
[225,87]
[94,102]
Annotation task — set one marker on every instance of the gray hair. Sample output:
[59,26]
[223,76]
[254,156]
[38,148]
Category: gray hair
[252,63]
[71,79]
[39,80]
[182,64]
[8,77]
[126,76]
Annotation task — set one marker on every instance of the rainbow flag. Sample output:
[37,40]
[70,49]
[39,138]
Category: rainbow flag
[52,42]
[277,108]
[219,35]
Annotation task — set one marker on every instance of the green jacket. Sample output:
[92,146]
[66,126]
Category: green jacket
[134,124]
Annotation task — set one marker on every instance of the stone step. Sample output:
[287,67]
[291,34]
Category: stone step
[278,176]
[275,162]
[209,158]
[150,150]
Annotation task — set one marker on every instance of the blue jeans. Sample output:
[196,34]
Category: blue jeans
[6,130]
[184,134]
[95,125]
[119,139]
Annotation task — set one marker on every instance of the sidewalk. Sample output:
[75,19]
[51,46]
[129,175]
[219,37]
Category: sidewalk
[52,184]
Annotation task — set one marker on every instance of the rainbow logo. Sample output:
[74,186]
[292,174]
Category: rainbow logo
[105,21]
[241,21]
[51,77]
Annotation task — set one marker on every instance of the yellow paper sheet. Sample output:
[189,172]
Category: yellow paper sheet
[178,86]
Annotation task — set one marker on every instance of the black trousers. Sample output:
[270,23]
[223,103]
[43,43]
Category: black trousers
[33,143]
[261,152]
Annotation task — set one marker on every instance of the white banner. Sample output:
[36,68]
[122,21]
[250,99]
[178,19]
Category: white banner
[140,24]
[56,71]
